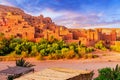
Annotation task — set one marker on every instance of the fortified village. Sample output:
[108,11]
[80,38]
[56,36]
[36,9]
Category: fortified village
[14,22]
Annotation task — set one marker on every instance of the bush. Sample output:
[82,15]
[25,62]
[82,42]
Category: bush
[77,56]
[21,62]
[89,55]
[82,50]
[54,56]
[24,54]
[109,74]
[103,49]
[95,56]
[69,55]
[64,50]
[115,48]
[39,57]
[17,47]
[100,45]
[89,49]
[12,56]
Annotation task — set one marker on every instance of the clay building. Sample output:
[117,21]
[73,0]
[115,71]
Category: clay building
[35,28]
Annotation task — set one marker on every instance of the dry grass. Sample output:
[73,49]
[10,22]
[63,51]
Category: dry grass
[8,58]
[11,57]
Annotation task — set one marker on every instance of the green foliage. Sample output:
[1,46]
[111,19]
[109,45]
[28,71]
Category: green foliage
[100,45]
[33,50]
[43,52]
[44,48]
[64,50]
[24,54]
[54,56]
[4,49]
[13,55]
[21,62]
[89,49]
[43,41]
[39,57]
[18,49]
[115,47]
[109,74]
[90,55]
[83,50]
[70,54]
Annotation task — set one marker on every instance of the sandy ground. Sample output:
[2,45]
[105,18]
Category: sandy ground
[106,59]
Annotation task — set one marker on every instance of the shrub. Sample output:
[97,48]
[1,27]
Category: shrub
[100,45]
[103,49]
[115,48]
[77,56]
[82,50]
[81,55]
[54,56]
[24,54]
[39,57]
[64,50]
[21,62]
[12,56]
[43,52]
[109,74]
[33,50]
[89,49]
[95,56]
[17,47]
[69,55]
[89,55]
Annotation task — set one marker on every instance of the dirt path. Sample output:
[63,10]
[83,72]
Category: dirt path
[108,60]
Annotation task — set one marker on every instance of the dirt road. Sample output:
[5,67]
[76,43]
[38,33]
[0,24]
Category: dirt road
[107,60]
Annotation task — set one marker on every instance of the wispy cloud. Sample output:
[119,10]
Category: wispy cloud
[75,20]
[71,13]
[4,2]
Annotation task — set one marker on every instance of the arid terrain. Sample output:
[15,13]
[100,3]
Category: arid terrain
[106,59]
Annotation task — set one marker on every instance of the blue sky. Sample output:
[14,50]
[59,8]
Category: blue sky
[72,13]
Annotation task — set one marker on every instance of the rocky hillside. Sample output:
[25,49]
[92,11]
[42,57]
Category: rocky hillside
[32,20]
[4,8]
[16,22]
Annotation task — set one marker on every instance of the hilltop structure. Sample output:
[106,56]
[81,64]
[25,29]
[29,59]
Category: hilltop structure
[14,22]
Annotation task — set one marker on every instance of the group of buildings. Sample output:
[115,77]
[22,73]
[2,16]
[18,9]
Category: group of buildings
[36,28]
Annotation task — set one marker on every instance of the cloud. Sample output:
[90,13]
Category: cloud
[75,20]
[71,13]
[79,20]
[3,2]
[69,18]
